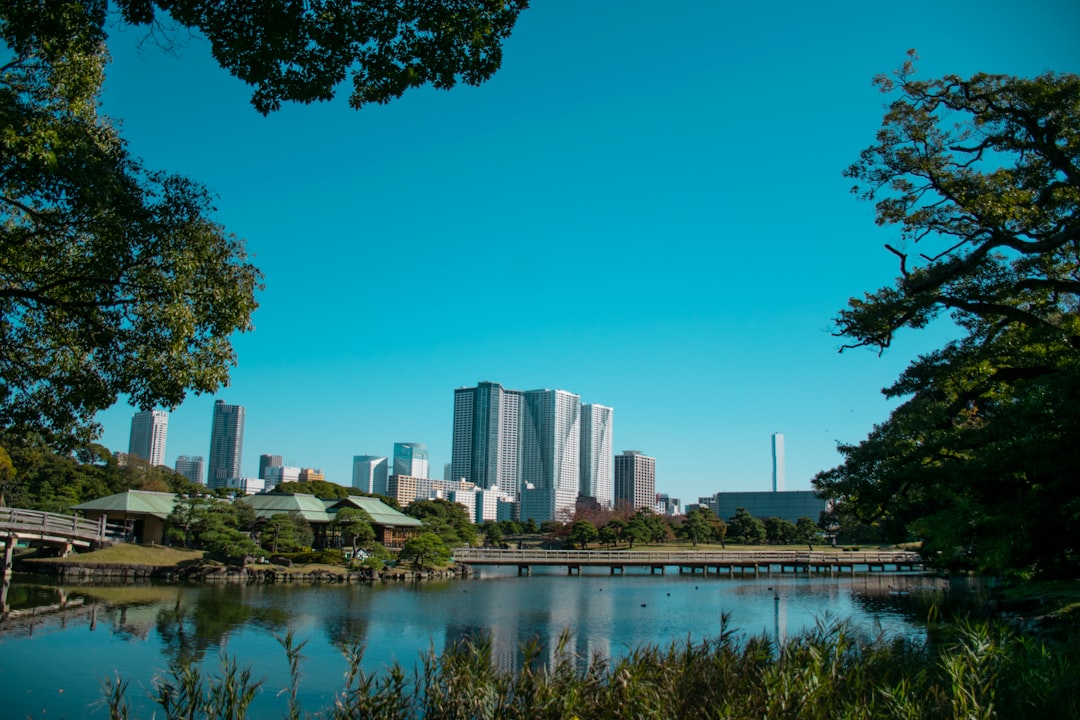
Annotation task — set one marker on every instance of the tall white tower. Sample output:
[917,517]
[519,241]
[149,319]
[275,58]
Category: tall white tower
[777,462]
[148,431]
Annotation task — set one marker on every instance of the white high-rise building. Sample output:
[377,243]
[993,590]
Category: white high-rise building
[411,459]
[191,467]
[148,431]
[226,444]
[550,438]
[485,442]
[369,473]
[777,462]
[635,479]
[537,446]
[597,480]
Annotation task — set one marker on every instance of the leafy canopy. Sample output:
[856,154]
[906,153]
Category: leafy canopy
[980,462]
[114,278]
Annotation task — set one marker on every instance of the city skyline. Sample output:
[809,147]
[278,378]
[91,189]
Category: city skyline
[655,216]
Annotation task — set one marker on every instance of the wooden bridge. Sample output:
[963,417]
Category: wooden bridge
[65,531]
[729,562]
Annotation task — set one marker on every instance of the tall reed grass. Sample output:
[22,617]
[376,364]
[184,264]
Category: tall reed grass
[978,671]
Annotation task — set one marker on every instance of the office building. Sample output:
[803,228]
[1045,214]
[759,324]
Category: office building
[369,474]
[277,474]
[485,440]
[191,467]
[312,475]
[148,431]
[268,461]
[226,444]
[550,447]
[790,505]
[529,445]
[411,459]
[777,462]
[597,479]
[635,480]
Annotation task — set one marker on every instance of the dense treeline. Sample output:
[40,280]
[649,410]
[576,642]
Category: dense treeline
[41,479]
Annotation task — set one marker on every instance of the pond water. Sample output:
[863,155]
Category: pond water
[53,662]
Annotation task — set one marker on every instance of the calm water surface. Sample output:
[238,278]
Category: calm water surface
[52,663]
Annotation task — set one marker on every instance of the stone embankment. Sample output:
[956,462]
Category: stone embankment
[249,574]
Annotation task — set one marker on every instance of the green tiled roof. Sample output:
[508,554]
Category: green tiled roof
[310,507]
[133,502]
[380,512]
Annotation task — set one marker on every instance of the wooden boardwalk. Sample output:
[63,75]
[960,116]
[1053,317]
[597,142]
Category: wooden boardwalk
[729,562]
[65,531]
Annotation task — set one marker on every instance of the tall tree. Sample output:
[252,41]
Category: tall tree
[114,278]
[980,462]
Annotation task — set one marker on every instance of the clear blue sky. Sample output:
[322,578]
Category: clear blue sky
[644,206]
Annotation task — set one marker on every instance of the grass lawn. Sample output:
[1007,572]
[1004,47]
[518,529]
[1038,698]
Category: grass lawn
[126,554]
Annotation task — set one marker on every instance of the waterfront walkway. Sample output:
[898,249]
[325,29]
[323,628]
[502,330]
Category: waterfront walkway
[65,531]
[730,562]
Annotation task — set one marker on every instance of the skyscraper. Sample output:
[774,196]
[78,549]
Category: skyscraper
[777,462]
[411,459]
[226,444]
[485,442]
[369,474]
[550,439]
[148,431]
[635,479]
[529,444]
[191,467]
[597,481]
[268,461]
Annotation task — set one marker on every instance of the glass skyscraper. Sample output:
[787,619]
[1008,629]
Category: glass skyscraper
[542,447]
[411,459]
[226,444]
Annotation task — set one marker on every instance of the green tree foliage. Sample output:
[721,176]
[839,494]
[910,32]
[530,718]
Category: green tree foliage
[449,520]
[53,482]
[493,534]
[285,532]
[779,531]
[427,548]
[355,526]
[980,462]
[213,525]
[114,278]
[701,525]
[583,532]
[745,528]
[807,531]
[319,488]
[7,476]
[645,526]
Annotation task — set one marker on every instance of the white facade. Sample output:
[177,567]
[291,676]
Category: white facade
[411,459]
[191,467]
[635,479]
[777,462]
[597,471]
[550,453]
[370,474]
[277,474]
[148,431]
[246,486]
[540,447]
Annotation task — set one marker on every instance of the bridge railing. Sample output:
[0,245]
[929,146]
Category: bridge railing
[36,521]
[681,557]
